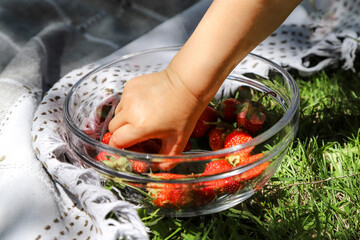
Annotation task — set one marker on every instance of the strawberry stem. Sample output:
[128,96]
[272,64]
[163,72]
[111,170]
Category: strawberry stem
[265,94]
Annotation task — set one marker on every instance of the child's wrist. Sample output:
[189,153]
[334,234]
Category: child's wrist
[196,92]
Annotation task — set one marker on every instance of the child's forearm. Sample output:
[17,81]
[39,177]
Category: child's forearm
[227,33]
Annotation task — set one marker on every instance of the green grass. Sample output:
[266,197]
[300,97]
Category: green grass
[315,192]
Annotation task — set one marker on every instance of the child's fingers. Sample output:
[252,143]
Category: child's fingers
[167,148]
[125,136]
[118,108]
[171,146]
[118,121]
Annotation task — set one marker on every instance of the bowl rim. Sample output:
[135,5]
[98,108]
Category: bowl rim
[283,121]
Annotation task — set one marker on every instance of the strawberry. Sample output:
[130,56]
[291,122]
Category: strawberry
[116,162]
[202,194]
[169,195]
[237,137]
[248,159]
[251,116]
[217,166]
[174,196]
[251,158]
[225,185]
[104,156]
[136,166]
[106,138]
[149,146]
[201,127]
[216,138]
[227,110]
[253,172]
[251,122]
[139,166]
[220,186]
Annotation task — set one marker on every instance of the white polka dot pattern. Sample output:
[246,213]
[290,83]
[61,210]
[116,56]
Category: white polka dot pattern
[328,34]
[51,148]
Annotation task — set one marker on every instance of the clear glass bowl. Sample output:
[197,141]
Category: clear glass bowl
[90,104]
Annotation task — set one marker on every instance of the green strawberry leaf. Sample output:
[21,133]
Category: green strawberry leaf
[120,163]
[242,107]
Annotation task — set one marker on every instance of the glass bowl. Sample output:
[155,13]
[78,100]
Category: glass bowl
[177,185]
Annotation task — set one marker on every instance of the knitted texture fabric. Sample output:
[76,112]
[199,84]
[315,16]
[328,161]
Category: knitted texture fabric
[52,148]
[317,35]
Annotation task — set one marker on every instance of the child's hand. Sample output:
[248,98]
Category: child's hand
[155,106]
[166,105]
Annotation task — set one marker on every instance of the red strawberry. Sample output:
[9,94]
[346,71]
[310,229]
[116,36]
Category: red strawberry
[237,137]
[224,185]
[220,186]
[202,194]
[201,127]
[251,116]
[217,166]
[104,156]
[253,172]
[106,138]
[243,159]
[174,196]
[169,195]
[250,159]
[139,166]
[227,109]
[116,162]
[216,138]
[251,122]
